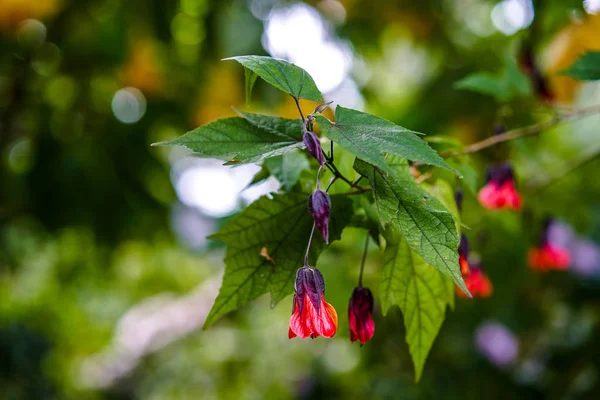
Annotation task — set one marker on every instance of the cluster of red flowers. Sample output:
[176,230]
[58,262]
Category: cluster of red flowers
[500,193]
[312,316]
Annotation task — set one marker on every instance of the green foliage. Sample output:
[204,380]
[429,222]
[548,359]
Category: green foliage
[470,174]
[286,77]
[421,292]
[250,79]
[287,168]
[368,136]
[265,246]
[403,206]
[586,67]
[445,194]
[508,84]
[242,140]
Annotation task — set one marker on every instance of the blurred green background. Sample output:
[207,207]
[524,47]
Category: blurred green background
[105,273]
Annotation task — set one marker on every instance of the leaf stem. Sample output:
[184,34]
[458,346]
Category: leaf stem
[299,109]
[362,263]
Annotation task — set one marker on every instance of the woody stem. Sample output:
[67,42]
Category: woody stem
[524,131]
[362,263]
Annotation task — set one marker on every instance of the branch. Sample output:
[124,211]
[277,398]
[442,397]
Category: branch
[525,131]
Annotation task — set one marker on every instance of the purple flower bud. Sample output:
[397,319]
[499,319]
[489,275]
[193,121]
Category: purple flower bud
[322,107]
[458,198]
[319,205]
[312,143]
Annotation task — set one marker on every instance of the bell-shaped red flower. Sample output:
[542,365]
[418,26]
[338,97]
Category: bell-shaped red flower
[548,256]
[312,315]
[475,280]
[500,192]
[319,205]
[463,255]
[478,284]
[360,315]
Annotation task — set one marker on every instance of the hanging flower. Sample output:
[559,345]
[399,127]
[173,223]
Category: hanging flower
[500,192]
[477,282]
[360,315]
[312,315]
[547,255]
[463,254]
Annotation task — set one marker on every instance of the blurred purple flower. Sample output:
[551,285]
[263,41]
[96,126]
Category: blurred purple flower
[499,345]
[560,234]
[586,258]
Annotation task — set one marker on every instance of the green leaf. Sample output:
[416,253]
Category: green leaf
[421,292]
[469,172]
[368,136]
[287,168]
[250,79]
[265,246]
[262,175]
[285,76]
[443,191]
[485,83]
[427,225]
[243,140]
[508,84]
[586,68]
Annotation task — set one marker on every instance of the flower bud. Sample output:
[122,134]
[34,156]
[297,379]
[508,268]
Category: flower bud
[322,107]
[319,205]
[312,143]
[360,315]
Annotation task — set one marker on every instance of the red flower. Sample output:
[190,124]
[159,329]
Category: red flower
[549,257]
[463,254]
[312,315]
[500,193]
[360,315]
[478,284]
[476,281]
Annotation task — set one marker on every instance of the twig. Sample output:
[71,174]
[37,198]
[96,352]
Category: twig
[525,131]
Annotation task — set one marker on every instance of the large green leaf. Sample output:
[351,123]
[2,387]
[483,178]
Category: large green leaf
[427,225]
[287,168]
[368,136]
[243,140]
[265,246]
[586,68]
[285,76]
[421,292]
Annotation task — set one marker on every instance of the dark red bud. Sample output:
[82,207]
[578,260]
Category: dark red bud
[312,143]
[360,315]
[319,205]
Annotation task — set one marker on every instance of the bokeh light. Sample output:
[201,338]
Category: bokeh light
[129,105]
